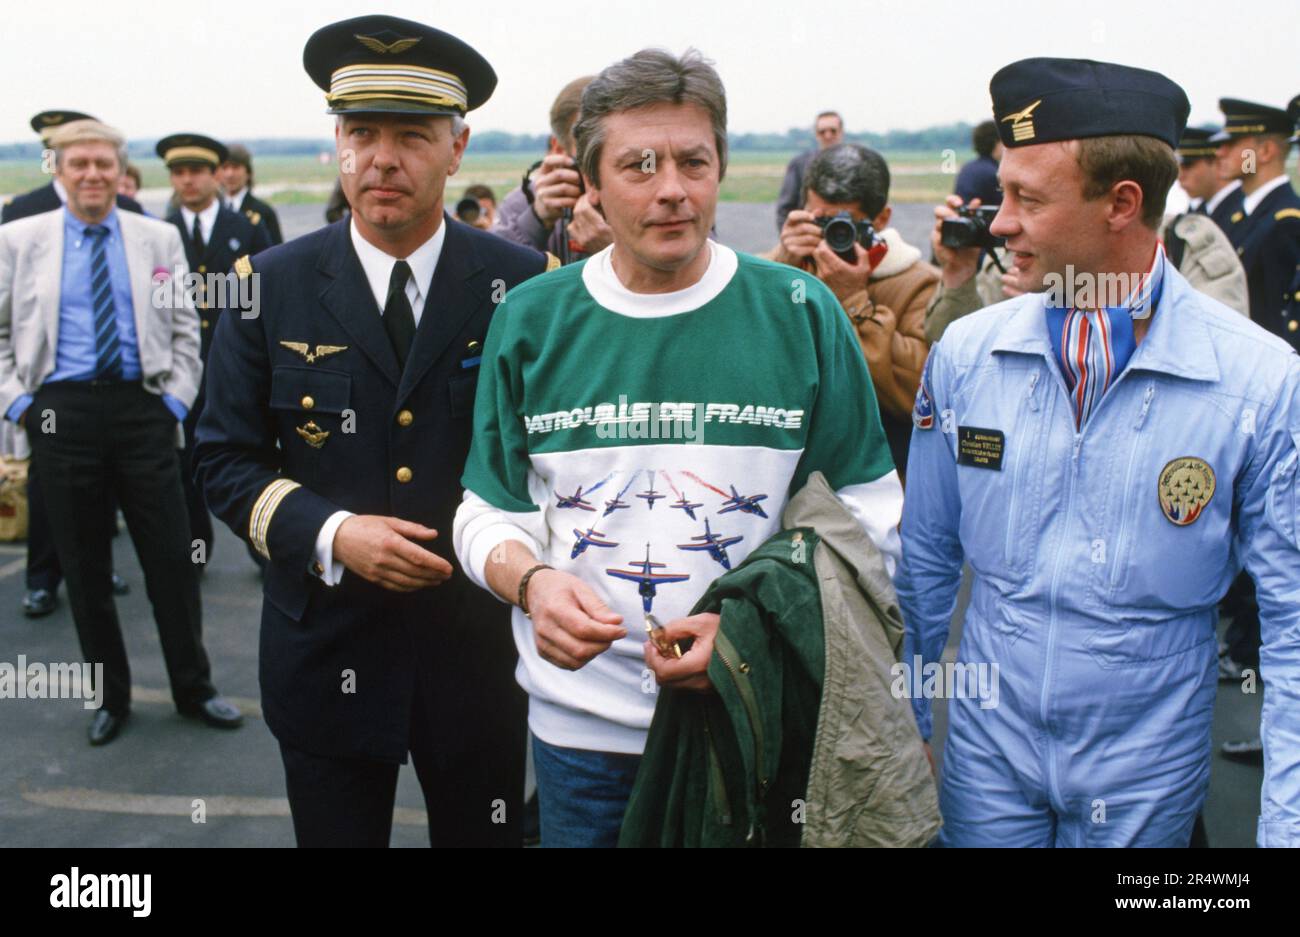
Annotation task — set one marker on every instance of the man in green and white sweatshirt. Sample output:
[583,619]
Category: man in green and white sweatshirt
[641,420]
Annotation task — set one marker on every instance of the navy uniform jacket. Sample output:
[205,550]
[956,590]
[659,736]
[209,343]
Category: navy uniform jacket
[1228,212]
[233,236]
[260,212]
[308,414]
[1268,242]
[39,201]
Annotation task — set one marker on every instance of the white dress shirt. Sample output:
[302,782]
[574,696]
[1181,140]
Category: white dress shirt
[207,220]
[1217,198]
[378,268]
[235,200]
[1251,201]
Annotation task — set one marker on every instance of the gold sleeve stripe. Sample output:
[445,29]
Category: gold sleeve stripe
[259,521]
[1287,213]
[552,262]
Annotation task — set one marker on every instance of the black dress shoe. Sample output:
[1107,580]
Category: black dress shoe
[1246,751]
[120,586]
[217,712]
[38,603]
[105,726]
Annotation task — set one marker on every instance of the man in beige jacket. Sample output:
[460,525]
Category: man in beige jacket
[99,363]
[886,289]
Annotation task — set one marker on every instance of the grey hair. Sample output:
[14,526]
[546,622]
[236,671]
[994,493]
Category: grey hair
[651,76]
[848,172]
[87,131]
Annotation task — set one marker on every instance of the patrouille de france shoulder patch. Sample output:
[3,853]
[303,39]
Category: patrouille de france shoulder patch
[1186,487]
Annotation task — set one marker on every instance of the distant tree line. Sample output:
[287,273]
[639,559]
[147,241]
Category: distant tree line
[956,136]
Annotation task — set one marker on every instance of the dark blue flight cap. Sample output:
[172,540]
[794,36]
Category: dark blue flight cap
[1041,100]
[383,63]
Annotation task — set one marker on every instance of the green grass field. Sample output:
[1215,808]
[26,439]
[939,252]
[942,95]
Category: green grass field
[751,177]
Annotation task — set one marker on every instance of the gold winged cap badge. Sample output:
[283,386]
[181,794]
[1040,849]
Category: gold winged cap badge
[392,48]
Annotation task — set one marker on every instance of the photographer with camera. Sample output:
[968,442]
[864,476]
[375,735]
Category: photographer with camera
[973,272]
[478,207]
[549,210]
[842,236]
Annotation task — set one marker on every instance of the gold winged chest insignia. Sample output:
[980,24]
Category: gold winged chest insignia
[311,357]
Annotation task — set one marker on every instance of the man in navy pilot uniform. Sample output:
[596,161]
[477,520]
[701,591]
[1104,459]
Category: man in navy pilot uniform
[337,427]
[214,238]
[1253,146]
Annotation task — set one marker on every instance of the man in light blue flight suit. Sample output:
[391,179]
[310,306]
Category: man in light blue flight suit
[1106,455]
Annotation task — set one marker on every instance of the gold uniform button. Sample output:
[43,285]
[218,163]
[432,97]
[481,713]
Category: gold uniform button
[205,323]
[1292,325]
[405,418]
[308,403]
[403,474]
[202,268]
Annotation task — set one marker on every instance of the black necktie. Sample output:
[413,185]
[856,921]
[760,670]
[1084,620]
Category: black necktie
[399,320]
[196,237]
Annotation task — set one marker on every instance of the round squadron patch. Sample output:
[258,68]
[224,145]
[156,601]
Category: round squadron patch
[1186,487]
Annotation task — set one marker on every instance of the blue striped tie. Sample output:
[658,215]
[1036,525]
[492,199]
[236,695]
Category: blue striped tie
[108,349]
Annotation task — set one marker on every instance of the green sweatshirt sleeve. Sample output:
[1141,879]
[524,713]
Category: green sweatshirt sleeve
[846,441]
[498,463]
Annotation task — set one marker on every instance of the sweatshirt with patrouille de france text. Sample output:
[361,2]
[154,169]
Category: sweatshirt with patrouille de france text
[646,443]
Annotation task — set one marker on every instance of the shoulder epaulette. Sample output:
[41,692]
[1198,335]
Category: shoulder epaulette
[1287,213]
[243,267]
[552,262]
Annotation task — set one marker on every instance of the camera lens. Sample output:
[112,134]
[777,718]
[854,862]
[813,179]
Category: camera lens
[841,234]
[468,210]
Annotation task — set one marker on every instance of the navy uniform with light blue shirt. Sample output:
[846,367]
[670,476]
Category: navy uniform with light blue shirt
[1266,232]
[1105,493]
[311,415]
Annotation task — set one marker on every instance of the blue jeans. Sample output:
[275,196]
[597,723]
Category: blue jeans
[582,794]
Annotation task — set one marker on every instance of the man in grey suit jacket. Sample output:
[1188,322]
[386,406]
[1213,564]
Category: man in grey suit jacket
[99,363]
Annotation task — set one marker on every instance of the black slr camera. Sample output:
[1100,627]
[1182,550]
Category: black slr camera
[841,232]
[970,229]
[468,209]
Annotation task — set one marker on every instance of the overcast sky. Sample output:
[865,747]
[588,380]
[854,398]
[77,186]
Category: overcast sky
[233,68]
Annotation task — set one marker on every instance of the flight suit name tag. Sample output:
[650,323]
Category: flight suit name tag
[980,448]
